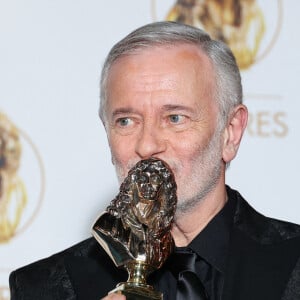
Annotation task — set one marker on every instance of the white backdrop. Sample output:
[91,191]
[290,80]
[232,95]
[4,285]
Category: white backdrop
[51,54]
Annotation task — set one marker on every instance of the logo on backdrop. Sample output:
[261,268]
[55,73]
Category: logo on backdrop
[241,24]
[21,180]
[250,28]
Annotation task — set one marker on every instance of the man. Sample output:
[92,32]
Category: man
[169,91]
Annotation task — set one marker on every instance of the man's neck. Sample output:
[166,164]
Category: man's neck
[189,224]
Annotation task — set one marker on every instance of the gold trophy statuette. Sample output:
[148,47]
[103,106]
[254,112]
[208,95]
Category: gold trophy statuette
[135,228]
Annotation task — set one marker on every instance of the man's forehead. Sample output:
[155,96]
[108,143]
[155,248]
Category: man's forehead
[159,68]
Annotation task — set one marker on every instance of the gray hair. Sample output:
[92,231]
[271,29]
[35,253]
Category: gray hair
[228,93]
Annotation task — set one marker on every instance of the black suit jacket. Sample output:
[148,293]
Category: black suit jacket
[264,264]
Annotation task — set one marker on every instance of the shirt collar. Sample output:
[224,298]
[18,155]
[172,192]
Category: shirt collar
[212,243]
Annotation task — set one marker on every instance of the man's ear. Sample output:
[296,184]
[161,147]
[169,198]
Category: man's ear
[234,131]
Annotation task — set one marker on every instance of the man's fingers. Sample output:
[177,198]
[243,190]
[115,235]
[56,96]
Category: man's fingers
[114,296]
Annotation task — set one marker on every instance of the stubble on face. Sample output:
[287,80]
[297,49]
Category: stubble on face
[205,173]
[206,170]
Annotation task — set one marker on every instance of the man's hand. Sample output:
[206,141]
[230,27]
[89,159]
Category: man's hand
[114,296]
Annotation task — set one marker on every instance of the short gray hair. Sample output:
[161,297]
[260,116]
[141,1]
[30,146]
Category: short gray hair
[228,92]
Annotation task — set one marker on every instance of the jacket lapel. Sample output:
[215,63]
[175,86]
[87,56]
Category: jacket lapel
[258,265]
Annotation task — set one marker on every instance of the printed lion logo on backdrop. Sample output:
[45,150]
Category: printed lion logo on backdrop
[13,197]
[238,23]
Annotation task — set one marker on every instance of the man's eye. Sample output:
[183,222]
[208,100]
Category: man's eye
[125,125]
[176,118]
[123,122]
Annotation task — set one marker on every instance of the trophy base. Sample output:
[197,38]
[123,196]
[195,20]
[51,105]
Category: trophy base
[137,292]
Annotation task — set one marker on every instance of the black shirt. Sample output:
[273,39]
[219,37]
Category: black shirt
[211,246]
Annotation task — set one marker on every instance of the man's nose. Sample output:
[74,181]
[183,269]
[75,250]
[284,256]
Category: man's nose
[150,142]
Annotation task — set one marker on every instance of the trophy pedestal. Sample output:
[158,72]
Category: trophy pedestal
[137,292]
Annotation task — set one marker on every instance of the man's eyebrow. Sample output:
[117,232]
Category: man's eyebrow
[176,107]
[166,108]
[123,110]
